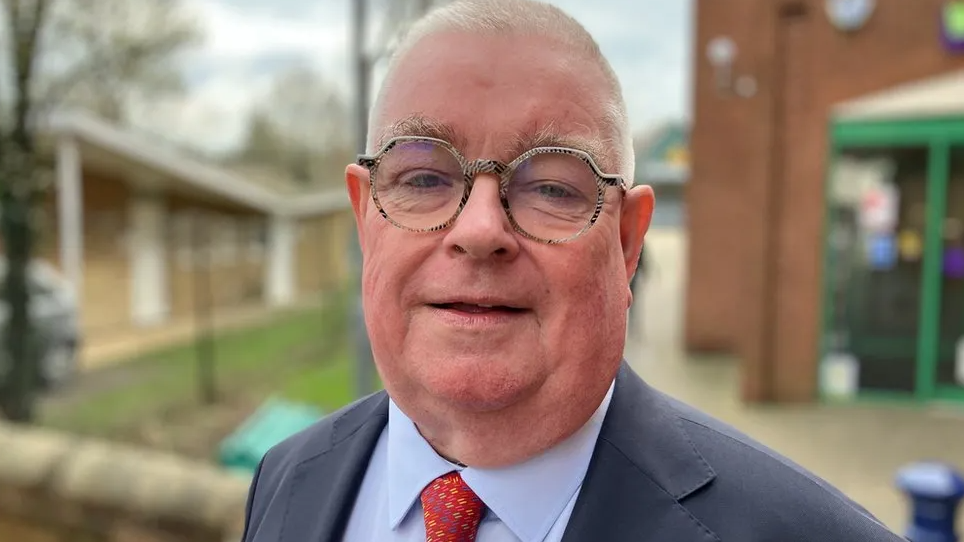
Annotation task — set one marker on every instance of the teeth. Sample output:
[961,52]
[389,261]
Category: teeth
[486,306]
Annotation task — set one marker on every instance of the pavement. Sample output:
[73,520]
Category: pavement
[857,448]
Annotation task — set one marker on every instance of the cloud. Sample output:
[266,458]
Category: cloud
[282,10]
[646,41]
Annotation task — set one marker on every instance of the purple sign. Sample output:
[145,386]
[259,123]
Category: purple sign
[954,263]
[952,26]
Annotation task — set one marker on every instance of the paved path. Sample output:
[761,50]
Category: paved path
[857,448]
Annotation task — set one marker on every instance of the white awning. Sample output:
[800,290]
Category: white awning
[175,167]
[938,96]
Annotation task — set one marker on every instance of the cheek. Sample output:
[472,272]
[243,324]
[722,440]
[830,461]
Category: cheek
[595,297]
[596,300]
[380,274]
[390,264]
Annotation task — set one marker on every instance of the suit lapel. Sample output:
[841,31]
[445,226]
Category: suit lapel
[325,485]
[643,468]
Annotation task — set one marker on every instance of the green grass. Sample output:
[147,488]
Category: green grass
[301,355]
[327,386]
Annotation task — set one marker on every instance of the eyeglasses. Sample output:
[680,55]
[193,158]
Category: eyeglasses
[550,194]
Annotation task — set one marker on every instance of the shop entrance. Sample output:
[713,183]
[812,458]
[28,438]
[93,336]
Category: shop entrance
[950,341]
[894,261]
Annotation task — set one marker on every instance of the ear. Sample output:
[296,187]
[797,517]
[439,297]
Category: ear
[634,222]
[356,179]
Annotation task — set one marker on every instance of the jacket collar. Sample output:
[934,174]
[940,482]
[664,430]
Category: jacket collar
[644,466]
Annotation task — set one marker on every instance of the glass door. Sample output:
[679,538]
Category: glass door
[949,372]
[878,209]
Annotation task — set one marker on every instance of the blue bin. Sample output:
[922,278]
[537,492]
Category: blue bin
[935,491]
[274,421]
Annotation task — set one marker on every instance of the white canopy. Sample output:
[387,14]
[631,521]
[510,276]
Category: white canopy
[938,96]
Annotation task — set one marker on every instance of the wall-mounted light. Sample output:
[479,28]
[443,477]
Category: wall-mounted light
[721,53]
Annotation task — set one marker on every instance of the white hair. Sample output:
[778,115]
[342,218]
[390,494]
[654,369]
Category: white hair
[531,17]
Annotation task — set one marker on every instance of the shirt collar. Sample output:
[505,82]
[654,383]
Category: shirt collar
[527,497]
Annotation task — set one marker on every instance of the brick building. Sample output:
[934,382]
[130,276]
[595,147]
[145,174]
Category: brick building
[826,198]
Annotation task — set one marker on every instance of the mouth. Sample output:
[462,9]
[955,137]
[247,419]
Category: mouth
[478,308]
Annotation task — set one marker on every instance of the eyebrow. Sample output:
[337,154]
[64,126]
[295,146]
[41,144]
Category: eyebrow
[422,126]
[547,136]
[539,136]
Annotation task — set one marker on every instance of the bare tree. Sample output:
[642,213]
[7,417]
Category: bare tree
[262,144]
[299,129]
[303,127]
[73,51]
[100,55]
[18,171]
[304,108]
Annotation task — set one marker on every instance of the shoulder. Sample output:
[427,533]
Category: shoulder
[768,492]
[280,463]
[321,436]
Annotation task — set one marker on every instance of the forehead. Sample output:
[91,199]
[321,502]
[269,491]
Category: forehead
[492,94]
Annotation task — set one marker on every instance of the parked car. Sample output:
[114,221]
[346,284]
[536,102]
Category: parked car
[55,316]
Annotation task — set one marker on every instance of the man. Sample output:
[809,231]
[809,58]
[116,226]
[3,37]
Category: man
[499,233]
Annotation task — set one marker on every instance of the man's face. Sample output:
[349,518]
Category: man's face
[568,338]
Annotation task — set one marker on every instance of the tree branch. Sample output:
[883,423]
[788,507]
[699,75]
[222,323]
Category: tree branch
[25,55]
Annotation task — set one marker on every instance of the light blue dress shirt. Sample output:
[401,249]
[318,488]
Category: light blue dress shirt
[528,502]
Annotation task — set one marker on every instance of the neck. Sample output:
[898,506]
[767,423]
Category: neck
[508,436]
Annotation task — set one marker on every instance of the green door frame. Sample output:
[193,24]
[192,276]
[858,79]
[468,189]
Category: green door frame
[938,135]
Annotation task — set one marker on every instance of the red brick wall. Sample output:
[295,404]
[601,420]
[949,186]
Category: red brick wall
[755,200]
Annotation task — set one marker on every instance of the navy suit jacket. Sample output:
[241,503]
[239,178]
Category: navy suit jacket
[661,472]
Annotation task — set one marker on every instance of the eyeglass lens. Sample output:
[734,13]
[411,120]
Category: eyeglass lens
[551,195]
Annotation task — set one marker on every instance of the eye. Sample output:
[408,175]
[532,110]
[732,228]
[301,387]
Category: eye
[424,180]
[551,189]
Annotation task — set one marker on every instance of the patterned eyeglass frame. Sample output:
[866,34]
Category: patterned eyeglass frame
[471,169]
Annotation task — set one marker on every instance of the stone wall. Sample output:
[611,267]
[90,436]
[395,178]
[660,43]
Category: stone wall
[56,487]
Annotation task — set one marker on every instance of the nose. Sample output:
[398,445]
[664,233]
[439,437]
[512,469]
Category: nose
[482,230]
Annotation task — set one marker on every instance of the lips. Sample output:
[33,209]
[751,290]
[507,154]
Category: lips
[477,308]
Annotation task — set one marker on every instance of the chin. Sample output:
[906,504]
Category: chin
[480,384]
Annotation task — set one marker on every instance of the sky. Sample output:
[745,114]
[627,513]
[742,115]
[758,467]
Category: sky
[248,41]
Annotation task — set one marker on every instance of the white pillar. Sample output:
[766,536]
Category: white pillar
[148,259]
[279,268]
[71,214]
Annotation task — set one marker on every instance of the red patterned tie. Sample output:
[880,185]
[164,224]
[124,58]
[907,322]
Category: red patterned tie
[452,510]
